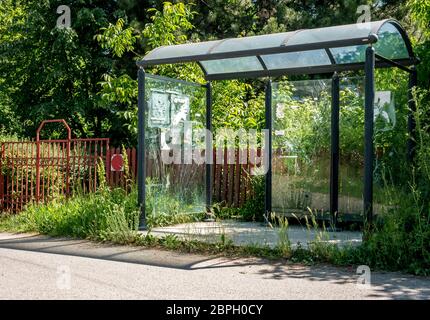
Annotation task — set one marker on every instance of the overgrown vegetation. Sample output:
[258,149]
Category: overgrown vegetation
[104,215]
[110,216]
[402,240]
[87,75]
[253,208]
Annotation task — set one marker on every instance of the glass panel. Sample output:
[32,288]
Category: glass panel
[390,117]
[182,50]
[296,59]
[232,65]
[351,54]
[351,149]
[351,31]
[390,141]
[301,147]
[175,116]
[390,44]
[256,42]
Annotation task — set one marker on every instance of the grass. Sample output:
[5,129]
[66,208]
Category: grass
[84,219]
[400,242]
[105,215]
[93,230]
[111,216]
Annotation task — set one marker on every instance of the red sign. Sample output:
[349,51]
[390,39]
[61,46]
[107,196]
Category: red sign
[116,162]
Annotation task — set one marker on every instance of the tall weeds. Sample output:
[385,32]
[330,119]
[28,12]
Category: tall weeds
[107,214]
[401,241]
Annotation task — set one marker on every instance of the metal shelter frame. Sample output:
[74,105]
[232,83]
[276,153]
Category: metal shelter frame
[323,51]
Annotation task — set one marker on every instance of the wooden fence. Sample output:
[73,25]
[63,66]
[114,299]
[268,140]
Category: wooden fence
[43,169]
[231,172]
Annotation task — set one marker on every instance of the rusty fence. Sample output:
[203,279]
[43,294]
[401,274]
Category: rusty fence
[40,170]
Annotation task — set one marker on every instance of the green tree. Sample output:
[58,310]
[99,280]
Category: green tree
[118,89]
[420,16]
[168,26]
[49,72]
[12,20]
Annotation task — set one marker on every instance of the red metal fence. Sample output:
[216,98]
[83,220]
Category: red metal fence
[40,171]
[43,169]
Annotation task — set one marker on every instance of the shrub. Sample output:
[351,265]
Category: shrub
[103,215]
[253,208]
[401,239]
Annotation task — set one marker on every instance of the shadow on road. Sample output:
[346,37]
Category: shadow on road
[122,253]
[394,285]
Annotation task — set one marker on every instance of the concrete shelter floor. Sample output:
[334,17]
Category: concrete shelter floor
[254,233]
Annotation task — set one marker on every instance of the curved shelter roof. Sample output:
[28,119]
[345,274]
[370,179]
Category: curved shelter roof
[308,51]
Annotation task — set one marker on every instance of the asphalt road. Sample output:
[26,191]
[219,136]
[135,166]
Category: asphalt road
[39,267]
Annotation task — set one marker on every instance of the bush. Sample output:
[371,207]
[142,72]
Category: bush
[104,215]
[401,241]
[253,208]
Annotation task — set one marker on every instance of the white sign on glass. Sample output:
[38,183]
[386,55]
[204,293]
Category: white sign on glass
[384,111]
[159,110]
[167,108]
[180,108]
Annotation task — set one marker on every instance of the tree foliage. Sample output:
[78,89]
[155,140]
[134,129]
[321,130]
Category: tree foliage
[116,38]
[420,15]
[53,73]
[87,74]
